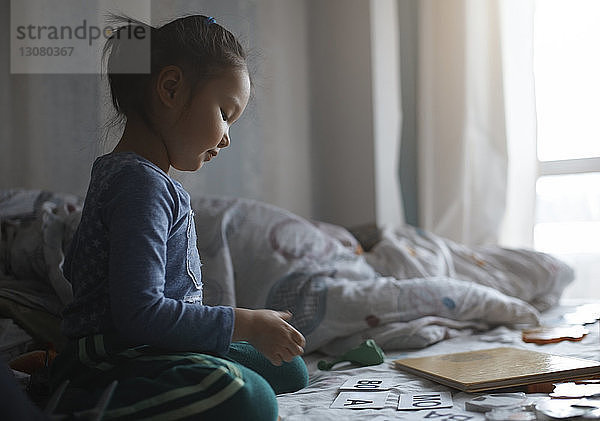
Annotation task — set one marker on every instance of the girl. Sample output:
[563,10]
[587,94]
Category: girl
[137,315]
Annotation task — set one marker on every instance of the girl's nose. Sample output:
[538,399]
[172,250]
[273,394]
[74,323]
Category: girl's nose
[224,141]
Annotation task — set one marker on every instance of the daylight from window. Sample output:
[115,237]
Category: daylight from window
[567,86]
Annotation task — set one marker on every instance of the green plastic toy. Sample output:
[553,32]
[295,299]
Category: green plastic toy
[367,353]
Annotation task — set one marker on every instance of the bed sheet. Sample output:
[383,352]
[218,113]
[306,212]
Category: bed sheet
[410,290]
[312,403]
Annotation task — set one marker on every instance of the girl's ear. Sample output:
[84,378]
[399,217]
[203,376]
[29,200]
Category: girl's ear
[169,86]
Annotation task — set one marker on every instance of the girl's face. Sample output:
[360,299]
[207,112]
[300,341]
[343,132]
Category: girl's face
[202,128]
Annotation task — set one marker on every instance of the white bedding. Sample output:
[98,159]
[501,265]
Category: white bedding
[414,293]
[312,403]
[411,290]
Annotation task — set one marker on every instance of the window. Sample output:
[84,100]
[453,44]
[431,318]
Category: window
[567,85]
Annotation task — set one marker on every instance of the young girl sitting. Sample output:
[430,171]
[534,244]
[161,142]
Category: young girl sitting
[137,315]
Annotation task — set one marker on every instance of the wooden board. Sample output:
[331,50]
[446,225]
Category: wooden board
[497,368]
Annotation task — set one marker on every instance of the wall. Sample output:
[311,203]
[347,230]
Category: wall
[320,137]
[47,139]
[268,159]
[354,111]
[241,169]
[283,97]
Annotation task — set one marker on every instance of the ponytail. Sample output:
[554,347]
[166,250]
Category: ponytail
[197,44]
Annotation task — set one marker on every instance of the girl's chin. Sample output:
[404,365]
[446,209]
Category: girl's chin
[190,167]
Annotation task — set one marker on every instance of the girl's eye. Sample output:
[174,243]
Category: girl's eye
[223,115]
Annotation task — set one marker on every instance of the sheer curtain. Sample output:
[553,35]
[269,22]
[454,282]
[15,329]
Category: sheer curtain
[476,119]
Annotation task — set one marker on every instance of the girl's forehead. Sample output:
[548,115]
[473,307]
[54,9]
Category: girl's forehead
[233,82]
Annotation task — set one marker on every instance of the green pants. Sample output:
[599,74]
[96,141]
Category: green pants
[172,386]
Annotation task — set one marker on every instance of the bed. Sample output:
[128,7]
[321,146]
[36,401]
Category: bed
[313,403]
[410,291]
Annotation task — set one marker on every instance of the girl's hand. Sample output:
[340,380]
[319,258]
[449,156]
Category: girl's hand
[270,333]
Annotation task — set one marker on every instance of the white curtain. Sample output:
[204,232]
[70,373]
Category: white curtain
[467,85]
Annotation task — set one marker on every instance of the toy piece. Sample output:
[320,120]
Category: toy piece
[562,408]
[594,414]
[510,415]
[548,335]
[585,314]
[486,403]
[571,390]
[367,353]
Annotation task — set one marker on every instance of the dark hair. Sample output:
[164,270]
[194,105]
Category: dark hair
[197,44]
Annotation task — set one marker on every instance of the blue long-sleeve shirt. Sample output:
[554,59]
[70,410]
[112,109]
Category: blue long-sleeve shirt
[134,265]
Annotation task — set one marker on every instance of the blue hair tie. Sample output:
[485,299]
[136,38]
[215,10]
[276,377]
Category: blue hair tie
[210,20]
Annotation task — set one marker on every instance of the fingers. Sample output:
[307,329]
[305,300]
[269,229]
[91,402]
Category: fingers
[290,351]
[285,315]
[276,360]
[279,340]
[298,338]
[285,354]
[293,351]
[295,334]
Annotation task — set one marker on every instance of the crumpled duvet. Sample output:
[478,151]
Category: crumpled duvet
[411,290]
[408,252]
[37,226]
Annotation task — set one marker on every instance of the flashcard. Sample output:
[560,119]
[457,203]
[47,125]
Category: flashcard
[425,400]
[368,383]
[360,400]
[511,414]
[485,403]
